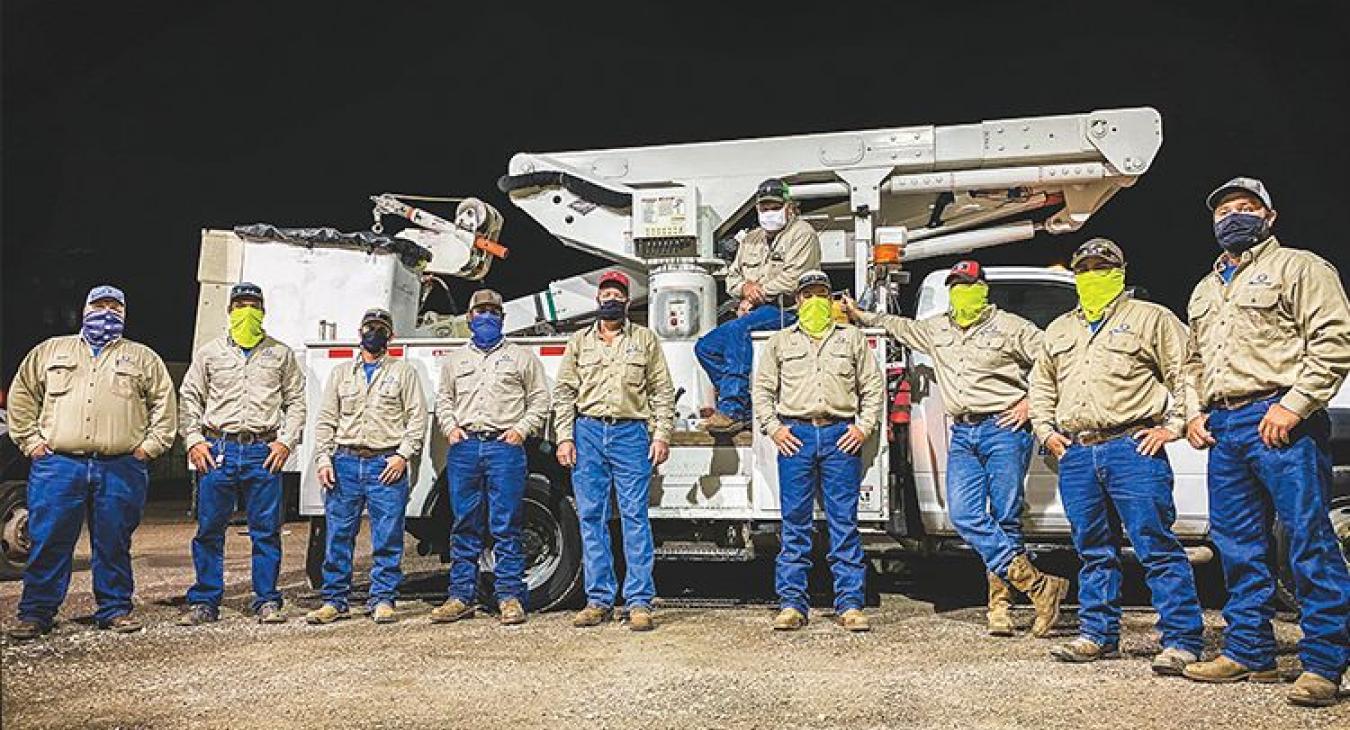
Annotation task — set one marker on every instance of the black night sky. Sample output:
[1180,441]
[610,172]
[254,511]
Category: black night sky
[127,127]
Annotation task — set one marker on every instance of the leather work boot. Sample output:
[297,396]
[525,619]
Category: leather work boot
[640,619]
[789,619]
[720,422]
[1222,670]
[327,614]
[452,610]
[1083,650]
[1171,662]
[1313,690]
[510,612]
[855,620]
[1000,601]
[271,613]
[1044,590]
[124,624]
[196,615]
[592,615]
[29,630]
[384,613]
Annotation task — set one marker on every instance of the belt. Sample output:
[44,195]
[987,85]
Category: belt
[366,453]
[1092,438]
[242,437]
[484,435]
[611,420]
[95,456]
[971,419]
[817,422]
[1229,404]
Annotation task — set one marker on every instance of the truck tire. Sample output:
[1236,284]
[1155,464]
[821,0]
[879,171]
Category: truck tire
[1284,583]
[14,539]
[551,540]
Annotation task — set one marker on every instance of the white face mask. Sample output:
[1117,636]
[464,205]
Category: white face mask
[773,220]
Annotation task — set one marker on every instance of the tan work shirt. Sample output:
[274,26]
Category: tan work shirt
[1282,323]
[493,391]
[982,368]
[1129,371]
[225,391]
[626,379]
[80,404]
[836,376]
[389,412]
[775,264]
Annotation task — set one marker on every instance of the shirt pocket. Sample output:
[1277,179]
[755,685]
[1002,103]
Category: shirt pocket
[1261,308]
[465,379]
[989,350]
[794,368]
[1198,317]
[59,379]
[1124,352]
[127,379]
[839,363]
[389,396]
[754,257]
[349,397]
[635,370]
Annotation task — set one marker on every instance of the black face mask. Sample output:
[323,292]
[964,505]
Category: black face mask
[613,310]
[374,340]
[1237,232]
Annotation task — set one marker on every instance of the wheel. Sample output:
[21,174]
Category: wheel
[14,539]
[314,552]
[1284,583]
[551,540]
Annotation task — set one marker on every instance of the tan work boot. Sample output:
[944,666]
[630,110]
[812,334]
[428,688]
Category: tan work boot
[384,613]
[510,612]
[789,619]
[640,619]
[855,620]
[29,630]
[124,624]
[1083,650]
[1171,662]
[452,610]
[1044,590]
[720,422]
[591,615]
[1313,690]
[1222,670]
[327,614]
[1000,601]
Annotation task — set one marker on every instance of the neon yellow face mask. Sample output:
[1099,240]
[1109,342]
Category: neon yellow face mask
[968,302]
[1097,289]
[815,315]
[246,326]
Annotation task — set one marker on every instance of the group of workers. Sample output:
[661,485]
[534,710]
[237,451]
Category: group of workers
[1103,389]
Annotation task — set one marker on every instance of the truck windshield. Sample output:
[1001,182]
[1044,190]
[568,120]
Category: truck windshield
[1039,302]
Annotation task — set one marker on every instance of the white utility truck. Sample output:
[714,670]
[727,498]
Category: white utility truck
[664,214]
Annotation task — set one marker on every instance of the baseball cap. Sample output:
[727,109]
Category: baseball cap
[1239,184]
[105,291]
[614,278]
[485,298]
[1098,248]
[378,315]
[772,189]
[965,272]
[813,277]
[246,289]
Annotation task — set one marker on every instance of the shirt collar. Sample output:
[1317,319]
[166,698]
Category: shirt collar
[985,315]
[1111,308]
[1249,256]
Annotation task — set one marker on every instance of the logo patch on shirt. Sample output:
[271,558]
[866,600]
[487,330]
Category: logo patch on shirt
[1261,279]
[1121,329]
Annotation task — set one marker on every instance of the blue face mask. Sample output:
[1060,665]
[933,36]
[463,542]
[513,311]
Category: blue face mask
[1237,232]
[487,329]
[613,310]
[374,340]
[102,326]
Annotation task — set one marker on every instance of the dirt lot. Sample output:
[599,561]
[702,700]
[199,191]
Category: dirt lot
[926,664]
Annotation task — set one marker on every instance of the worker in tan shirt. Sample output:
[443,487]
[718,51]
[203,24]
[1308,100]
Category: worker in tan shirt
[818,394]
[90,410]
[371,425]
[613,411]
[764,277]
[982,356]
[492,396]
[1270,346]
[241,413]
[1107,393]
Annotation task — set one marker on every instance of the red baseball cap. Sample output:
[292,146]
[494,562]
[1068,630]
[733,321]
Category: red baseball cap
[614,278]
[965,272]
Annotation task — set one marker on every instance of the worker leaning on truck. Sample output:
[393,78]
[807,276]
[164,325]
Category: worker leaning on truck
[763,276]
[818,394]
[1270,346]
[613,411]
[371,424]
[1107,393]
[492,396]
[241,411]
[90,411]
[982,356]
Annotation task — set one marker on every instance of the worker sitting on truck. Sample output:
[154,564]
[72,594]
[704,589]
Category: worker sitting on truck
[1270,346]
[371,423]
[818,394]
[90,410]
[763,275]
[982,356]
[613,411]
[1107,393]
[241,410]
[492,396]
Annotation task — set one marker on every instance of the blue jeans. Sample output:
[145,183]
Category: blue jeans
[1249,483]
[240,474]
[614,459]
[727,353]
[819,467]
[358,487]
[986,468]
[1104,487]
[487,486]
[62,490]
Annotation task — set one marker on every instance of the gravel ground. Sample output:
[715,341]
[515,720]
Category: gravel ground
[922,666]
